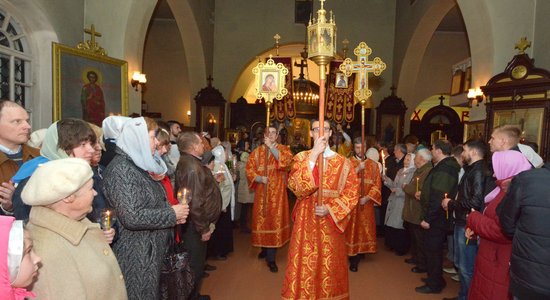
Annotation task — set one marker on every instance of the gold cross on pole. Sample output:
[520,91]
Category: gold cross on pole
[363,67]
[92,34]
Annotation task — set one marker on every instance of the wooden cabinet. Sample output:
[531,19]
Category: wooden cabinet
[519,96]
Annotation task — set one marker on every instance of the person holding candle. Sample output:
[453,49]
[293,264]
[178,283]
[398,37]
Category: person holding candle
[316,266]
[412,209]
[205,206]
[77,262]
[470,196]
[221,243]
[163,149]
[491,277]
[443,178]
[391,163]
[361,231]
[145,218]
[396,236]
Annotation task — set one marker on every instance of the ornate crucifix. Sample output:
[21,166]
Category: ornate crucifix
[91,45]
[362,67]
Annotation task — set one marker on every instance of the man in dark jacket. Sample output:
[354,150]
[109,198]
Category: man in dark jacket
[470,195]
[205,203]
[440,183]
[525,216]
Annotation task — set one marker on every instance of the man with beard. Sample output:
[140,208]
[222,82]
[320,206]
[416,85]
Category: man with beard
[470,196]
[361,231]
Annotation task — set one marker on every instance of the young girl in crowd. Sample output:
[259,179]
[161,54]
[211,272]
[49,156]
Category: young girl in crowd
[18,262]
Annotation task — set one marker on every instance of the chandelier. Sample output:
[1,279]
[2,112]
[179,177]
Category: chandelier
[305,92]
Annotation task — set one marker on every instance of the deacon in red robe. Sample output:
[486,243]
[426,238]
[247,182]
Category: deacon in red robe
[361,232]
[270,215]
[317,265]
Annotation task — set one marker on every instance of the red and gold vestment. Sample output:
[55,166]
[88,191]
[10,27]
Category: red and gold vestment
[361,231]
[317,261]
[270,219]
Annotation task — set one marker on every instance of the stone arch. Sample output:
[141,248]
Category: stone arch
[480,39]
[40,35]
[138,20]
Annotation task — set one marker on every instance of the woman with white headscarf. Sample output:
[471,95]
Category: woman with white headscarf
[221,243]
[112,126]
[374,155]
[395,234]
[145,217]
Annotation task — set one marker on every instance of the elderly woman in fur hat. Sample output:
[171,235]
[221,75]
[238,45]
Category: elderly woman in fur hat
[77,262]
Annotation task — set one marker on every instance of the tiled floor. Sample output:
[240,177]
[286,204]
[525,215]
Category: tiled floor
[381,276]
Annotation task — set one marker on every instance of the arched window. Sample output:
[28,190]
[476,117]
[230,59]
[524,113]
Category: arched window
[15,61]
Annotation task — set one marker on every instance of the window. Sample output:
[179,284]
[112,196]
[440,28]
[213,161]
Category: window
[15,61]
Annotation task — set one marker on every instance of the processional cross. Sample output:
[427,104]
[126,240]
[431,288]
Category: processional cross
[362,67]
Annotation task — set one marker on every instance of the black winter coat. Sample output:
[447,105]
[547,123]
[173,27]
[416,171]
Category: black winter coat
[470,192]
[443,178]
[525,215]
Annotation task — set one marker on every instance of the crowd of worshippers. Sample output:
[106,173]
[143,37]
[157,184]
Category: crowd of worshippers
[102,206]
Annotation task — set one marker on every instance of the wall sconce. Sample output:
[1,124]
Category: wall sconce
[138,79]
[189,114]
[475,96]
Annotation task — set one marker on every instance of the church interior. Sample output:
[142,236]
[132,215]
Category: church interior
[454,69]
[435,52]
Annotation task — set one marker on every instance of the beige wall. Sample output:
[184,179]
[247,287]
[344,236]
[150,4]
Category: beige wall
[245,28]
[434,77]
[164,62]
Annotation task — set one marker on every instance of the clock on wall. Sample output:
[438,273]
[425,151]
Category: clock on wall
[519,72]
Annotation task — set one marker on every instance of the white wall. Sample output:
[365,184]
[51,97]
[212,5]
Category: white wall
[164,63]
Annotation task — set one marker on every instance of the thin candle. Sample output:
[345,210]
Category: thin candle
[383,163]
[417,183]
[467,240]
[108,220]
[185,195]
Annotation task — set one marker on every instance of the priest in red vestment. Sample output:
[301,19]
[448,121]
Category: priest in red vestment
[270,215]
[317,265]
[361,231]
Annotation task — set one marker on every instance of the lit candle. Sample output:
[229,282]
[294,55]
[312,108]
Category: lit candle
[417,183]
[108,220]
[182,196]
[383,163]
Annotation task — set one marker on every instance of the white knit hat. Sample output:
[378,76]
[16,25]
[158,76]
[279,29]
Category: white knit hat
[56,180]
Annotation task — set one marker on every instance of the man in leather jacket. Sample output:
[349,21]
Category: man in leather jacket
[205,203]
[470,196]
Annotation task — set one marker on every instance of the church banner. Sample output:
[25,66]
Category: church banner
[284,108]
[340,101]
